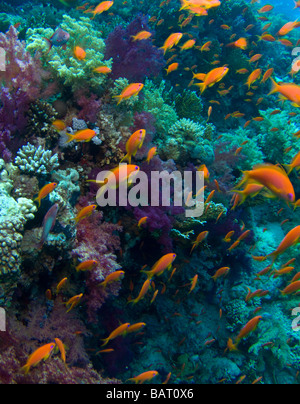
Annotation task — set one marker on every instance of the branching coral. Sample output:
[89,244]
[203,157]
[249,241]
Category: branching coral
[34,161]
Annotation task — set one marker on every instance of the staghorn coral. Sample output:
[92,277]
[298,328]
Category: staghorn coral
[36,161]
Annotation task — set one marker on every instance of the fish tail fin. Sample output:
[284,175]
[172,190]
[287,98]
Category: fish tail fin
[202,87]
[164,49]
[243,180]
[127,157]
[260,259]
[241,194]
[274,88]
[119,98]
[49,44]
[133,301]
[65,138]
[103,284]
[288,167]
[105,341]
[25,369]
[234,347]
[38,200]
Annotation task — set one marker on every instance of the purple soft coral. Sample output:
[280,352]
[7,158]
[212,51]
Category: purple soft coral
[22,80]
[96,240]
[5,154]
[134,60]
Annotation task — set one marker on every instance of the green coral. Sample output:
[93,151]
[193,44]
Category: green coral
[154,101]
[73,72]
[273,144]
[251,152]
[189,105]
[185,141]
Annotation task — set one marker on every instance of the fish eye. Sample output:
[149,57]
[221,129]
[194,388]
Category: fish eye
[290,197]
[136,168]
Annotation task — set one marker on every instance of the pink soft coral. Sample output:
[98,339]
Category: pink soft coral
[97,240]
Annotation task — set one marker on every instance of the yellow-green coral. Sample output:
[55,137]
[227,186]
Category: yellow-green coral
[73,72]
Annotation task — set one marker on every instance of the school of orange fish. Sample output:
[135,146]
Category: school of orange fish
[271,181]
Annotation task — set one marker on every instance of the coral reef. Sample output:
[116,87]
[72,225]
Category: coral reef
[150,283]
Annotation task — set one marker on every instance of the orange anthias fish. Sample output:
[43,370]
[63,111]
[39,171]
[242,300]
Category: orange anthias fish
[193,283]
[250,190]
[146,286]
[45,191]
[61,349]
[103,6]
[188,45]
[220,272]
[295,163]
[37,356]
[171,41]
[202,236]
[240,43]
[246,330]
[85,212]
[86,265]
[255,75]
[213,77]
[274,178]
[134,143]
[289,91]
[121,330]
[161,265]
[291,288]
[73,302]
[140,36]
[142,221]
[288,27]
[291,239]
[102,70]
[84,135]
[132,90]
[143,377]
[113,277]
[79,53]
[172,68]
[151,154]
